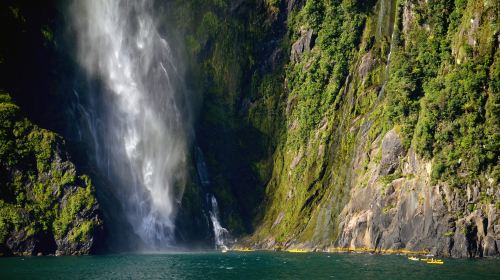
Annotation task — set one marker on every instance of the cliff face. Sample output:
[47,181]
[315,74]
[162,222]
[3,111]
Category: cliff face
[325,125]
[439,190]
[407,211]
[46,205]
[360,124]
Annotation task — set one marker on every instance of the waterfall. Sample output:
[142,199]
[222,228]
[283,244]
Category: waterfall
[143,110]
[386,69]
[221,234]
[386,26]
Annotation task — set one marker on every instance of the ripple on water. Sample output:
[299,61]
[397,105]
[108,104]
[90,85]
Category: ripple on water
[256,265]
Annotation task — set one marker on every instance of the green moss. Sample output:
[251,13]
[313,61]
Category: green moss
[388,208]
[439,104]
[10,219]
[449,234]
[47,34]
[43,143]
[386,180]
[471,207]
[81,200]
[36,180]
[82,232]
[321,108]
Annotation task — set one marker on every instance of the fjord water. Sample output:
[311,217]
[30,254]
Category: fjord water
[139,115]
[253,265]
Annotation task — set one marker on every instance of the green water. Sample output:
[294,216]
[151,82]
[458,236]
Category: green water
[254,265]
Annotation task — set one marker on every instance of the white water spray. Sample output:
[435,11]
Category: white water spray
[221,234]
[144,110]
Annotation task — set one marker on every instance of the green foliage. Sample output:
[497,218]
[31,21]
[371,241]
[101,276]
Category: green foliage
[43,144]
[8,113]
[82,233]
[315,82]
[445,109]
[386,180]
[440,91]
[273,6]
[82,200]
[402,104]
[240,114]
[34,181]
[449,233]
[10,219]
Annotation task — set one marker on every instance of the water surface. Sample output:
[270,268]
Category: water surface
[253,265]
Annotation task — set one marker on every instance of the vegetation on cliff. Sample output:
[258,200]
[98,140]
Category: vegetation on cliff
[324,123]
[306,90]
[46,205]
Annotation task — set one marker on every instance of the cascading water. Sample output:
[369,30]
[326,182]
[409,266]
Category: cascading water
[144,113]
[221,234]
[386,22]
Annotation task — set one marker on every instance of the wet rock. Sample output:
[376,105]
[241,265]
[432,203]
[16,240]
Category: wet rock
[460,246]
[472,194]
[367,64]
[21,243]
[409,213]
[474,26]
[392,151]
[278,219]
[304,44]
[407,16]
[296,160]
[67,220]
[86,241]
[492,218]
[490,247]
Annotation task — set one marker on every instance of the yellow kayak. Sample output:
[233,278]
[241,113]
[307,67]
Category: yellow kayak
[433,261]
[296,251]
[413,258]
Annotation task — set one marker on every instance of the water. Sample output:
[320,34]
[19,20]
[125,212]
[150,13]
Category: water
[253,265]
[386,26]
[221,234]
[140,115]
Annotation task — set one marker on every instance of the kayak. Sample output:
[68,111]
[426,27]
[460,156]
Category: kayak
[433,261]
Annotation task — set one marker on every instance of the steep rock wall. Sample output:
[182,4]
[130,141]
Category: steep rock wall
[47,205]
[328,86]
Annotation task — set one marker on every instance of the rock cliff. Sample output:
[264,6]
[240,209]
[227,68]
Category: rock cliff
[326,125]
[367,125]
[46,206]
